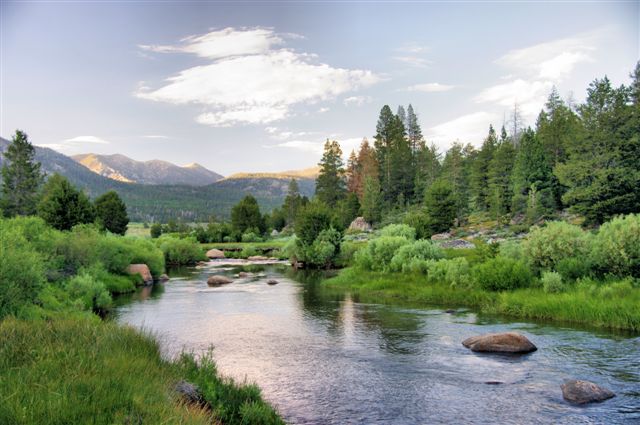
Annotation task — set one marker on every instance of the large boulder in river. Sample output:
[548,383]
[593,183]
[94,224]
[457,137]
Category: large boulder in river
[217,280]
[258,258]
[359,224]
[582,392]
[506,342]
[215,254]
[143,271]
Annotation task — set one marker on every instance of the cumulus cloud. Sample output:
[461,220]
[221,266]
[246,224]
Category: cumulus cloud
[87,139]
[249,81]
[471,128]
[317,147]
[357,100]
[534,70]
[430,87]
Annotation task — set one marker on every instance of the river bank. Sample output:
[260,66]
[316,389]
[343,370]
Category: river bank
[613,305]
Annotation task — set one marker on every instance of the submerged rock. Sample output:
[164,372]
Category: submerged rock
[272,282]
[582,392]
[163,278]
[506,342]
[143,271]
[245,274]
[217,280]
[215,254]
[189,392]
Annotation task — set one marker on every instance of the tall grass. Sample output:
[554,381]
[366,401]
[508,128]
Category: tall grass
[614,305]
[80,371]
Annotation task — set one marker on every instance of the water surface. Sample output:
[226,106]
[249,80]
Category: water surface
[323,358]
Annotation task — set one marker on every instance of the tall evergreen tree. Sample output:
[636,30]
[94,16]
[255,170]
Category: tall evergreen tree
[414,132]
[367,166]
[292,202]
[21,177]
[479,179]
[602,171]
[386,132]
[63,206]
[427,160]
[111,213]
[371,198]
[440,201]
[455,170]
[246,216]
[330,184]
[533,180]
[353,173]
[500,169]
[402,115]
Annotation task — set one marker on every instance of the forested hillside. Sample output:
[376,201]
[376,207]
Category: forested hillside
[165,202]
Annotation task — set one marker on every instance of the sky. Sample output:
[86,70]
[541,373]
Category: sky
[259,86]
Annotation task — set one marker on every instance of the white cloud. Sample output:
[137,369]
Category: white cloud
[471,128]
[87,139]
[534,70]
[248,81]
[223,43]
[430,87]
[323,110]
[155,136]
[412,48]
[357,100]
[415,61]
[317,147]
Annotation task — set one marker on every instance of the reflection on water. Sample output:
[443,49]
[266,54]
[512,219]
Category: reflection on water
[322,357]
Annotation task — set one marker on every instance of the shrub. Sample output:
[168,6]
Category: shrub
[248,251]
[114,284]
[499,274]
[311,220]
[323,251]
[156,230]
[421,221]
[616,247]
[88,292]
[511,249]
[547,246]
[21,271]
[574,268]
[401,230]
[453,272]
[181,251]
[420,250]
[379,252]
[251,237]
[552,282]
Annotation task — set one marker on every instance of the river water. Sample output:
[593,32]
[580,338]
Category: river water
[325,358]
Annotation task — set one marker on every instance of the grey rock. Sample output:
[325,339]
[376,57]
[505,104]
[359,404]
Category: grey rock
[506,342]
[583,392]
[217,280]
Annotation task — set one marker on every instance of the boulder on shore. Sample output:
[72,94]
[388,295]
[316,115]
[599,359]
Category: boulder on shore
[217,280]
[457,244]
[506,342]
[441,236]
[215,254]
[360,224]
[142,270]
[582,392]
[258,258]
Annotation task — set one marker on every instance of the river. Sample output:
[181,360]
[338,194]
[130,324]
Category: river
[325,358]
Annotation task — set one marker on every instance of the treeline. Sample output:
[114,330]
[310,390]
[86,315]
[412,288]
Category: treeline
[585,158]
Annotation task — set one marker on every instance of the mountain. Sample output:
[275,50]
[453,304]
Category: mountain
[121,168]
[307,173]
[164,202]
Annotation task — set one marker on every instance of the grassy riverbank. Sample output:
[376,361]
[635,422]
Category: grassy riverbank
[612,304]
[86,371]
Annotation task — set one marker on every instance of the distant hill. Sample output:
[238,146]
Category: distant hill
[164,202]
[124,169]
[307,173]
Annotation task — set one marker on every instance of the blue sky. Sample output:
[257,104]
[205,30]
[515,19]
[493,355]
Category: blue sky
[250,86]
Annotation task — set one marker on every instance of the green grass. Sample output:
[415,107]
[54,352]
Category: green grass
[69,371]
[613,305]
[138,230]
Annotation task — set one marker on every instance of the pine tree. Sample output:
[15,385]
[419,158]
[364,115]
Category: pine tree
[63,206]
[602,171]
[402,115]
[500,169]
[353,173]
[367,166]
[111,213]
[292,202]
[371,198]
[533,180]
[455,170]
[246,216]
[414,132]
[479,181]
[427,160]
[21,177]
[440,201]
[384,141]
[330,184]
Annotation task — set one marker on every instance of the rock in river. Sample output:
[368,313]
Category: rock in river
[217,280]
[258,258]
[506,342]
[272,282]
[215,254]
[163,278]
[582,392]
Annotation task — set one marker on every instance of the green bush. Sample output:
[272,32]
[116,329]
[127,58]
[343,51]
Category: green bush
[574,268]
[324,250]
[417,253]
[181,251]
[511,249]
[455,272]
[421,222]
[379,252]
[500,274]
[251,237]
[248,251]
[402,230]
[546,246]
[115,284]
[616,247]
[90,293]
[22,274]
[552,282]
